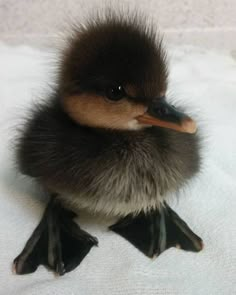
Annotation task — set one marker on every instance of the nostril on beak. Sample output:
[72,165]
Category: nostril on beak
[161,110]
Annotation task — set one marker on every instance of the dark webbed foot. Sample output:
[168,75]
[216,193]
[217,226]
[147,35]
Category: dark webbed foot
[179,234]
[154,232]
[57,242]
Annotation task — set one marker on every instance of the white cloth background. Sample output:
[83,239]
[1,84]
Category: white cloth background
[210,23]
[206,82]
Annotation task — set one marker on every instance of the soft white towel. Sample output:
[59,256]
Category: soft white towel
[203,80]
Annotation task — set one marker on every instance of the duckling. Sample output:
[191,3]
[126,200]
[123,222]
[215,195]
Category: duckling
[107,141]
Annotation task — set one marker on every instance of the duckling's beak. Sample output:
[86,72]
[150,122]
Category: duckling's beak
[162,114]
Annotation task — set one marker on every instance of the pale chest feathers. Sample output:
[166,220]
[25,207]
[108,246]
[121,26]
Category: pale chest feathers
[128,180]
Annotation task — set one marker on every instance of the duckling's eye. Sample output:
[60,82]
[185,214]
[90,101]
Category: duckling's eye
[115,93]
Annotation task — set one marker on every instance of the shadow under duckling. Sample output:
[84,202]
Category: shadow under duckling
[107,141]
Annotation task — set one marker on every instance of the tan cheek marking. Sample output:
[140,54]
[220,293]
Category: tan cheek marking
[131,90]
[96,111]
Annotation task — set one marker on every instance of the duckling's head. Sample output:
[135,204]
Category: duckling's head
[114,76]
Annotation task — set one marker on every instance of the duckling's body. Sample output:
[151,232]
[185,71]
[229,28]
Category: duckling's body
[108,142]
[106,171]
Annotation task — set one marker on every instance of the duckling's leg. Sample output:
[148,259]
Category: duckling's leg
[57,242]
[154,232]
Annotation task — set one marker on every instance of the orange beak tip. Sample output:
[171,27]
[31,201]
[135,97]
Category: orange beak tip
[189,126]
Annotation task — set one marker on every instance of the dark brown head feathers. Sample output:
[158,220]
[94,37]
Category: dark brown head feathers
[114,49]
